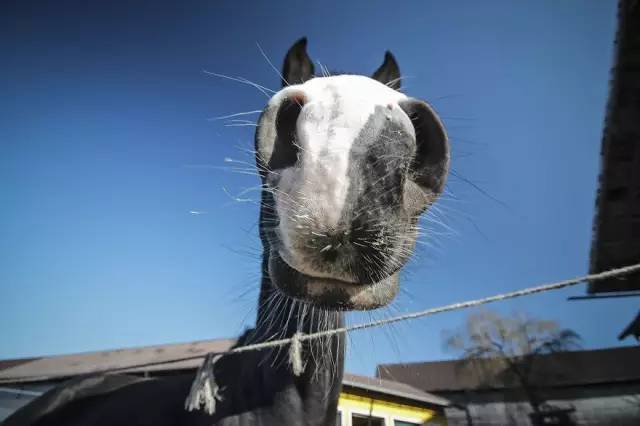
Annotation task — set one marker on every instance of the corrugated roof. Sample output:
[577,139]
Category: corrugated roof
[575,368]
[9,363]
[389,387]
[616,224]
[62,366]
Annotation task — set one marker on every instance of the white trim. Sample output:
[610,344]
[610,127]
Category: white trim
[388,418]
[373,413]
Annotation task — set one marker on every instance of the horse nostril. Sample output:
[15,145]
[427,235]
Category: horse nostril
[329,253]
[285,150]
[431,161]
[333,244]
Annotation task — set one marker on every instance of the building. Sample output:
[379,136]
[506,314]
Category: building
[594,387]
[367,401]
[616,223]
[364,401]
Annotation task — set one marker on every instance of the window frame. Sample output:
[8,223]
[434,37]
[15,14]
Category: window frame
[408,419]
[373,413]
[389,418]
[384,418]
[412,420]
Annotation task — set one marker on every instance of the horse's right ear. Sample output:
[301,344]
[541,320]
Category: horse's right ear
[389,72]
[297,67]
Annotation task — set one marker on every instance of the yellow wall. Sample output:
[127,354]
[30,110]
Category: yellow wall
[351,403]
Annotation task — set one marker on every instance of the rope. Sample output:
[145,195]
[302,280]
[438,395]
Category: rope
[617,272]
[295,356]
[201,389]
[204,389]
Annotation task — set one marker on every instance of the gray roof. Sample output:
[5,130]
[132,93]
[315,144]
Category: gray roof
[63,366]
[162,356]
[575,368]
[390,387]
[616,225]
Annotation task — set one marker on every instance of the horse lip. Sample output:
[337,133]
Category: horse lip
[330,293]
[327,279]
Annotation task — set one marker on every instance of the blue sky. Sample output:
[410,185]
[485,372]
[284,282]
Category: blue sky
[106,148]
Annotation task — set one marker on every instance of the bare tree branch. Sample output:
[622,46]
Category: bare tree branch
[513,342]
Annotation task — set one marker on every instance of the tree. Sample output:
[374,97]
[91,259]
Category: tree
[506,348]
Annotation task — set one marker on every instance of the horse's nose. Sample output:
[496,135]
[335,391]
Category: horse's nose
[360,238]
[333,244]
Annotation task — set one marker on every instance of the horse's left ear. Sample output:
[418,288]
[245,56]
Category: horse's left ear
[389,72]
[297,67]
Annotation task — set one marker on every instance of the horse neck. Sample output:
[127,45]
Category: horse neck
[279,317]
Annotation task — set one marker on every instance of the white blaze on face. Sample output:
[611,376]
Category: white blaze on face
[335,112]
